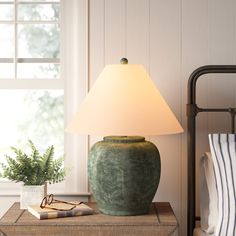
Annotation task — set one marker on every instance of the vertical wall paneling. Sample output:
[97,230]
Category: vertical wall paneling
[221,36]
[115,30]
[165,53]
[137,32]
[97,45]
[221,21]
[194,55]
[97,38]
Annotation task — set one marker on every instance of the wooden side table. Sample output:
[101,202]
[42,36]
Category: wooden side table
[160,221]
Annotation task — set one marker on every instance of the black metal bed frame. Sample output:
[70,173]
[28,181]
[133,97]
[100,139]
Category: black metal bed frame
[192,111]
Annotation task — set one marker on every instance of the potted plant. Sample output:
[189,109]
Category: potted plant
[34,171]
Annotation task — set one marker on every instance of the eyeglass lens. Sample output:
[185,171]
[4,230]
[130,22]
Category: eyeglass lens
[44,202]
[50,199]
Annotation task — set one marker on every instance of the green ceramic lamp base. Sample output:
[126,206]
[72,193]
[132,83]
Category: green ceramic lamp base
[124,173]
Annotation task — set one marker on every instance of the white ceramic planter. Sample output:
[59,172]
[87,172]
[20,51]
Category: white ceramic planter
[32,194]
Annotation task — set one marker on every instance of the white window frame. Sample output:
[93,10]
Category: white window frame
[8,187]
[75,71]
[74,79]
[29,83]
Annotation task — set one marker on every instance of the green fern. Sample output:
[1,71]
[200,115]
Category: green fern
[33,169]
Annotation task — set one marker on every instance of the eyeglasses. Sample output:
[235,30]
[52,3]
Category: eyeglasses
[49,200]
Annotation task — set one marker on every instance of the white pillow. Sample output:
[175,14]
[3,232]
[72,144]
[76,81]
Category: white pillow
[223,150]
[208,195]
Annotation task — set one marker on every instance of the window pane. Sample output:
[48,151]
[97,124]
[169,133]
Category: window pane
[39,12]
[38,41]
[6,12]
[6,70]
[6,41]
[38,70]
[31,114]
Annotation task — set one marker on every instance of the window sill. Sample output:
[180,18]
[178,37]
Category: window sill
[9,188]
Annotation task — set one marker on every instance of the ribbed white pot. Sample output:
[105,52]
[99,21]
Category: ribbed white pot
[32,195]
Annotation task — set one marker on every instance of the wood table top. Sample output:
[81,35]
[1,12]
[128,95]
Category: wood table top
[160,221]
[160,214]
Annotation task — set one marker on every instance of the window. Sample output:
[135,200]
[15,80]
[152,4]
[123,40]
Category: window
[29,39]
[60,75]
[31,90]
[31,114]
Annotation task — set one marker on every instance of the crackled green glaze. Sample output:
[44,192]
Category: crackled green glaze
[124,173]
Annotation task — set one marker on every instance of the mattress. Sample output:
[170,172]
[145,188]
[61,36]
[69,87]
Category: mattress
[199,232]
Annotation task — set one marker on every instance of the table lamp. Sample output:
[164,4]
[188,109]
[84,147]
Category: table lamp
[124,169]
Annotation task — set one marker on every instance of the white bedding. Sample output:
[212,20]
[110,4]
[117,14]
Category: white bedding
[208,195]
[199,232]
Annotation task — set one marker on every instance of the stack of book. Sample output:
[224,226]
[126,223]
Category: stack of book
[48,213]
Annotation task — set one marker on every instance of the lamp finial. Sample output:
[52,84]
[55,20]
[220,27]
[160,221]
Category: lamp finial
[124,61]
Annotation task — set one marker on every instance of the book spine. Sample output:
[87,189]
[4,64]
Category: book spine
[61,214]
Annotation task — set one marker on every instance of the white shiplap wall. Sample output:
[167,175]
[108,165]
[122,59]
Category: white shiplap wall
[171,39]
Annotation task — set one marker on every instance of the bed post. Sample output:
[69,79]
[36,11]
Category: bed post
[191,139]
[192,111]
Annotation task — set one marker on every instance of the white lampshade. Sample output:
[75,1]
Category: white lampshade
[124,101]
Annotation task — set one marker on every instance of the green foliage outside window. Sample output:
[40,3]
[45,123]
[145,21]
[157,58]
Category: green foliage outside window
[44,123]
[44,119]
[42,39]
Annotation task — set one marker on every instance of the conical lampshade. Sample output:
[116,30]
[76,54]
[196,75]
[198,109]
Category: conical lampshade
[124,101]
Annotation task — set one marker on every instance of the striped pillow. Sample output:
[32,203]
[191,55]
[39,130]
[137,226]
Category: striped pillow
[223,150]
